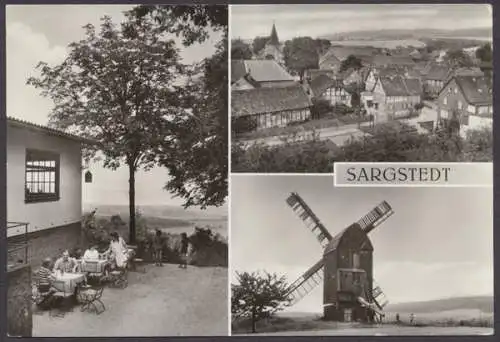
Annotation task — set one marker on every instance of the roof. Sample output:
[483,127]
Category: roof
[266,70]
[437,72]
[474,71]
[313,73]
[342,52]
[237,70]
[337,239]
[322,83]
[380,60]
[399,86]
[14,122]
[268,100]
[273,39]
[476,90]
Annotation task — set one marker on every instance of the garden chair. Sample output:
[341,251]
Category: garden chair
[90,297]
[118,278]
[61,300]
[91,269]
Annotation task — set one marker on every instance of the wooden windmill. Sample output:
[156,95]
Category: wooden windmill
[346,267]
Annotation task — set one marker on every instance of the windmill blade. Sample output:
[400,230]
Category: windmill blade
[375,217]
[302,210]
[306,283]
[378,296]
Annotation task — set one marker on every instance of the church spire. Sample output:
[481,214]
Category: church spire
[273,39]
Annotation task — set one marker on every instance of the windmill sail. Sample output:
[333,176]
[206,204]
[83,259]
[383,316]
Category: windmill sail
[303,211]
[375,217]
[306,283]
[378,296]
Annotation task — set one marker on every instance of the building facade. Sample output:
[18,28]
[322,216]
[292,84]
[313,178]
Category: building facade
[331,90]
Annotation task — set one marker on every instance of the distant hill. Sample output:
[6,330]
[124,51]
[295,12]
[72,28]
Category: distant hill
[479,33]
[161,211]
[482,303]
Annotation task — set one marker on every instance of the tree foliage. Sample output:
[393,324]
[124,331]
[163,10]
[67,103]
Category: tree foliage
[197,158]
[259,43]
[117,87]
[257,296]
[351,62]
[458,58]
[240,50]
[301,54]
[484,53]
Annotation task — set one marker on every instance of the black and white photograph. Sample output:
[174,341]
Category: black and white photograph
[315,84]
[117,162]
[308,258]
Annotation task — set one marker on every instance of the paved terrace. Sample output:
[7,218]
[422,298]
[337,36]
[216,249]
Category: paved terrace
[165,301]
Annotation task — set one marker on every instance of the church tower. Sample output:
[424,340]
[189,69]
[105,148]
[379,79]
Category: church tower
[273,39]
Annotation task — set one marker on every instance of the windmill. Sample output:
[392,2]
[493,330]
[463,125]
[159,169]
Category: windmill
[346,267]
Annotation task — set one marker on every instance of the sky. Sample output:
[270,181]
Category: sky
[41,33]
[438,244]
[250,21]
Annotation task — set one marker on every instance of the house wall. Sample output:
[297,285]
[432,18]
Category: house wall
[55,225]
[281,119]
[371,80]
[433,87]
[337,96]
[477,122]
[277,84]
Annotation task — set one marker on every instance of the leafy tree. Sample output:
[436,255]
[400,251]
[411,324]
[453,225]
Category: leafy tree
[259,43]
[322,45]
[197,159]
[484,53]
[458,58]
[240,50]
[301,54]
[320,108]
[257,296]
[351,62]
[117,87]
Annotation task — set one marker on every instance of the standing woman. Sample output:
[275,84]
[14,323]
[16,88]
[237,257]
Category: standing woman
[184,250]
[118,250]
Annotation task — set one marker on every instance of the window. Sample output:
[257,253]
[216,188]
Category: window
[471,109]
[42,176]
[455,90]
[459,104]
[445,100]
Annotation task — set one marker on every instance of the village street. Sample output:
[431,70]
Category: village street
[165,301]
[337,134]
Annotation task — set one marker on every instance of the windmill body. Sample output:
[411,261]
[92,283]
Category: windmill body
[346,267]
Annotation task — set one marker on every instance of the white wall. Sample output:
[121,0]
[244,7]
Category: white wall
[476,122]
[43,215]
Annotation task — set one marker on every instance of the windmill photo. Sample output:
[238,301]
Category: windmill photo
[346,267]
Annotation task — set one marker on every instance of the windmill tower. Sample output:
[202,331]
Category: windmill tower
[346,268]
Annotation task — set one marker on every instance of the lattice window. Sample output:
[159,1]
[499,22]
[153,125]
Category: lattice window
[42,176]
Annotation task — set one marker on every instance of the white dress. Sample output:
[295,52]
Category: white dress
[120,251]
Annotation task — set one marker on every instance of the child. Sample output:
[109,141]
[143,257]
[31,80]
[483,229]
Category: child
[158,248]
[184,250]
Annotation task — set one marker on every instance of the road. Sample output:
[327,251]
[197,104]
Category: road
[386,330]
[165,301]
[338,134]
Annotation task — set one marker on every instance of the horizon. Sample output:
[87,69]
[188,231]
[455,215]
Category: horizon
[316,20]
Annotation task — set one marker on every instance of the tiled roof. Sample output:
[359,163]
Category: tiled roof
[268,100]
[342,52]
[322,83]
[313,73]
[399,86]
[437,72]
[237,70]
[381,60]
[476,90]
[468,72]
[266,70]
[14,122]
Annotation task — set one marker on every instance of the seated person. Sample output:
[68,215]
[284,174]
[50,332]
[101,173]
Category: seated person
[66,264]
[91,254]
[118,250]
[45,278]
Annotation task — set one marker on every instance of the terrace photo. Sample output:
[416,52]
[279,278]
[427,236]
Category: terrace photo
[315,84]
[117,170]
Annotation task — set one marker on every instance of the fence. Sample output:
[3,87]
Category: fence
[17,245]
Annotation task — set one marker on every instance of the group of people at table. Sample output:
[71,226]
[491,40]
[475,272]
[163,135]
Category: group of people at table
[68,272]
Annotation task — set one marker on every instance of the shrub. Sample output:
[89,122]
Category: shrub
[321,108]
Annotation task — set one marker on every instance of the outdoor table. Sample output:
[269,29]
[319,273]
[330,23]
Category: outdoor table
[94,265]
[67,282]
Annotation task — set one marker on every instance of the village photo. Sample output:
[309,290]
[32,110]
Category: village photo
[308,258]
[117,170]
[315,84]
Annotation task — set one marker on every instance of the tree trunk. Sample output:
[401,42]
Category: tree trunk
[131,199]
[254,330]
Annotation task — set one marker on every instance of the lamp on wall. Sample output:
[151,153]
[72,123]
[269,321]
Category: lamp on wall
[88,177]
